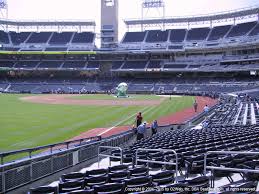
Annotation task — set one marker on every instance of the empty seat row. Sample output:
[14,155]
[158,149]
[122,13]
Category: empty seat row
[194,34]
[163,180]
[54,38]
[50,64]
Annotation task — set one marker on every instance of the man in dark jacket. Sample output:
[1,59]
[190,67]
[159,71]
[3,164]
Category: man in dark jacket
[139,119]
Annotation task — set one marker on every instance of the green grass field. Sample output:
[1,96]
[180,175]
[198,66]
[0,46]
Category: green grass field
[25,125]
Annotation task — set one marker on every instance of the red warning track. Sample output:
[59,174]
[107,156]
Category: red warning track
[186,114]
[175,118]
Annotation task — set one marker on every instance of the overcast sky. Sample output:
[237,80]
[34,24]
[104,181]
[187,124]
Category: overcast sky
[90,9]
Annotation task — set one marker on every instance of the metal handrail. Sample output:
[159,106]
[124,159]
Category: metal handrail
[49,146]
[110,156]
[228,169]
[87,150]
[159,162]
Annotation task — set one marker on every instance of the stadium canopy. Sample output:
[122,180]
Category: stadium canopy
[18,25]
[234,15]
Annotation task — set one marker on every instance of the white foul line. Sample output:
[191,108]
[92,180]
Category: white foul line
[122,121]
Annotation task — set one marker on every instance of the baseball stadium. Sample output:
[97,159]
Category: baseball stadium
[129,96]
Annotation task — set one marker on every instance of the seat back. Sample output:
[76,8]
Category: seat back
[97,172]
[71,186]
[98,180]
[143,181]
[118,168]
[44,190]
[118,176]
[139,171]
[163,178]
[109,188]
[88,191]
[72,176]
[199,182]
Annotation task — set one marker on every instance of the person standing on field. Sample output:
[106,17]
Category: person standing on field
[139,119]
[195,106]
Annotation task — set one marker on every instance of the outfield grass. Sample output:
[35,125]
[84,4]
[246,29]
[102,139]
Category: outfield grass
[25,125]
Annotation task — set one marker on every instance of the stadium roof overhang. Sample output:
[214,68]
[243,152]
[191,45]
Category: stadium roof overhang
[39,25]
[223,16]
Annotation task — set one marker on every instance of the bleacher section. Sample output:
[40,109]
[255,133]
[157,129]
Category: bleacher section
[41,37]
[30,49]
[241,29]
[8,64]
[176,47]
[83,37]
[172,38]
[134,65]
[197,34]
[255,31]
[4,39]
[74,64]
[177,35]
[135,85]
[143,62]
[7,48]
[154,65]
[117,64]
[46,41]
[93,65]
[176,39]
[174,66]
[218,32]
[140,87]
[188,64]
[157,36]
[49,64]
[3,86]
[18,38]
[61,38]
[26,64]
[194,66]
[179,39]
[56,49]
[134,37]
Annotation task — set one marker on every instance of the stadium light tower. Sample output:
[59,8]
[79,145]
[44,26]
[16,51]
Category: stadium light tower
[151,6]
[109,23]
[3,9]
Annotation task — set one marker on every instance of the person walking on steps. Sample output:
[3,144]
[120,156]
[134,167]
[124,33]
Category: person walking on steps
[141,130]
[206,109]
[154,127]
